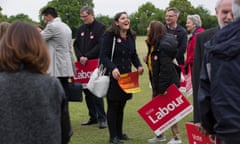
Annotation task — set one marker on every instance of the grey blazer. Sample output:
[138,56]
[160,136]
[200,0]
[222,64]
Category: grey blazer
[58,36]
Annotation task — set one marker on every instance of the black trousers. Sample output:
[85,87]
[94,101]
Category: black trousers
[67,131]
[115,114]
[230,142]
[64,82]
[95,106]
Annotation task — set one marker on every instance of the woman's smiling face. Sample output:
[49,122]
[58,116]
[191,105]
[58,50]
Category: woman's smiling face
[123,22]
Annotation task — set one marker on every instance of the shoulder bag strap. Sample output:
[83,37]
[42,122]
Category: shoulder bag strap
[113,47]
[101,67]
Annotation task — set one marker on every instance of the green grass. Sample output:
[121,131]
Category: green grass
[133,124]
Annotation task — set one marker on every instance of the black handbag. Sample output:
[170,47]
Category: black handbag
[74,92]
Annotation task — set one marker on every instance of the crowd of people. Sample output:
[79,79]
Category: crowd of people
[36,64]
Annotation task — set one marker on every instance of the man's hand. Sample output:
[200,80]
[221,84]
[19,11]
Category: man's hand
[83,60]
[202,130]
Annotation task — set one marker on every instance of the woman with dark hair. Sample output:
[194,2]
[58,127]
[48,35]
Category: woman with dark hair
[123,57]
[33,106]
[162,50]
[3,28]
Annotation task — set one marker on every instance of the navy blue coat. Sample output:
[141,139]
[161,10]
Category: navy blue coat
[124,56]
[219,92]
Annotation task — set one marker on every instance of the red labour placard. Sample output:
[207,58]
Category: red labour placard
[84,72]
[195,137]
[164,111]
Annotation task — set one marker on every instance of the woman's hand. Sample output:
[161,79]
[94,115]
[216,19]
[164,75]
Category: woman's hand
[116,74]
[140,70]
[145,59]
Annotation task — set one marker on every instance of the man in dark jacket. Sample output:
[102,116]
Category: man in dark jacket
[224,16]
[220,83]
[178,31]
[87,46]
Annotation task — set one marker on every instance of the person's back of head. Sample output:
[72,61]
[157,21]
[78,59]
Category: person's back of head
[3,28]
[23,48]
[156,31]
[40,28]
[236,10]
[50,11]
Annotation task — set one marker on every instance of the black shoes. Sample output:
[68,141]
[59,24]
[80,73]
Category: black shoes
[89,122]
[125,137]
[102,125]
[116,140]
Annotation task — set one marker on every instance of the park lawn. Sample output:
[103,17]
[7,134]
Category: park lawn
[133,124]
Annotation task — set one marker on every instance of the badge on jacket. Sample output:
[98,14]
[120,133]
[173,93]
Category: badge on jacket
[82,33]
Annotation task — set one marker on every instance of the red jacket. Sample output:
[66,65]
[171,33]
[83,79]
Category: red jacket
[191,46]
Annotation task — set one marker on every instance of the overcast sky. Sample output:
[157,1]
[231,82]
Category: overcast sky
[103,7]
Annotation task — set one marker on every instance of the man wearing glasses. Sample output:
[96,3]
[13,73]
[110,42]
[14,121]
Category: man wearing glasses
[180,33]
[87,46]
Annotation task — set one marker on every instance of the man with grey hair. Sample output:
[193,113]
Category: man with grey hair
[172,26]
[223,10]
[87,46]
[219,89]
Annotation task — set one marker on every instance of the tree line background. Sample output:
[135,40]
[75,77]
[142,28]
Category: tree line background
[68,10]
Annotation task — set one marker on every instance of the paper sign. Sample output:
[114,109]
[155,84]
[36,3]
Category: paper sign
[195,137]
[164,111]
[84,72]
[129,82]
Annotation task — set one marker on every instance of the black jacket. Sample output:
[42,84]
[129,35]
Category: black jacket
[163,70]
[88,38]
[181,34]
[125,55]
[197,62]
